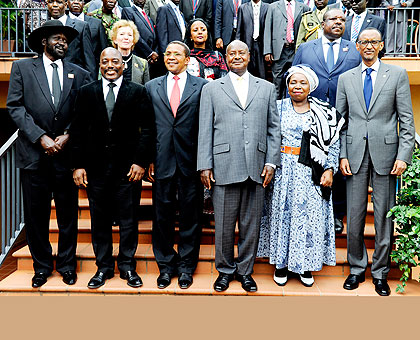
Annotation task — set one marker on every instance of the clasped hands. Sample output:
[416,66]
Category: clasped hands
[53,146]
[135,174]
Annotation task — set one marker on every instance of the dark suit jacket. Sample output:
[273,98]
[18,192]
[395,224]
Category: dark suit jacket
[223,21]
[147,42]
[99,39]
[204,10]
[96,142]
[370,21]
[167,27]
[311,53]
[245,29]
[176,138]
[80,51]
[30,105]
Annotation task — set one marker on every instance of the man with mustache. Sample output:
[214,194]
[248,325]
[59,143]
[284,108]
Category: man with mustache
[110,152]
[330,56]
[41,97]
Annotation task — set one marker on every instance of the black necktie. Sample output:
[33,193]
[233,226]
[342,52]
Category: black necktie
[110,100]
[56,87]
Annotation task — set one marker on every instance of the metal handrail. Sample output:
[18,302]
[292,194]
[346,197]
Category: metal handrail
[10,197]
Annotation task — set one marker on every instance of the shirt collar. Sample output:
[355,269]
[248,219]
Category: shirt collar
[234,76]
[374,67]
[326,41]
[256,4]
[117,82]
[63,19]
[182,76]
[362,15]
[172,5]
[138,8]
[47,61]
[81,16]
[292,2]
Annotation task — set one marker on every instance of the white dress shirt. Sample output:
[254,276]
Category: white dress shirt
[81,16]
[63,19]
[256,9]
[326,46]
[180,18]
[49,72]
[170,82]
[116,89]
[374,73]
[241,86]
[361,20]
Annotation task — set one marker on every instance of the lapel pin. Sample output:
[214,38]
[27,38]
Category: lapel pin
[70,75]
[345,49]
[136,65]
[384,75]
[368,20]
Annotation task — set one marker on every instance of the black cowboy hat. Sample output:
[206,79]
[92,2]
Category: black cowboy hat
[48,28]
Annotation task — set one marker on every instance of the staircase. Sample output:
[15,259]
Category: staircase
[328,282]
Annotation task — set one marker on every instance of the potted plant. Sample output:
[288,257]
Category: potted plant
[7,17]
[407,216]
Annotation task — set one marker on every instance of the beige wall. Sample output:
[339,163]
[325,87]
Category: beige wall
[415,98]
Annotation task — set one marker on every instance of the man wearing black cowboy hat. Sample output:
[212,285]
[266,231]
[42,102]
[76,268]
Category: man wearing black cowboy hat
[41,97]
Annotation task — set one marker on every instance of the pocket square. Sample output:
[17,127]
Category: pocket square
[70,75]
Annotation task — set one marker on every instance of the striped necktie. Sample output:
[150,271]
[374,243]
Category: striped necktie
[355,30]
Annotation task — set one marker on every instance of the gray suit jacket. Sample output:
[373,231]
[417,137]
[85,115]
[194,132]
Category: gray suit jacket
[151,7]
[234,141]
[388,125]
[276,24]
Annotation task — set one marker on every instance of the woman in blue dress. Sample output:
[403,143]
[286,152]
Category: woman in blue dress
[297,227]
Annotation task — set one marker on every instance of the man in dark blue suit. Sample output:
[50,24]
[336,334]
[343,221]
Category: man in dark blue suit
[329,57]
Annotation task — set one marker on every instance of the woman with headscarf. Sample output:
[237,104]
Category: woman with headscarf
[297,227]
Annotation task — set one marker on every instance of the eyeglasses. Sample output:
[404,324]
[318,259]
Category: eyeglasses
[365,43]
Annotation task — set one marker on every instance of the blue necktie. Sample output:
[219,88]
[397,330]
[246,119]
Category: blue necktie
[367,87]
[330,57]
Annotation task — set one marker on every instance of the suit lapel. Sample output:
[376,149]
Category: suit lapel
[67,83]
[136,11]
[342,53]
[172,11]
[99,94]
[228,88]
[366,22]
[282,8]
[381,78]
[252,89]
[41,77]
[358,86]
[123,94]
[298,10]
[248,7]
[319,52]
[230,2]
[163,94]
[190,88]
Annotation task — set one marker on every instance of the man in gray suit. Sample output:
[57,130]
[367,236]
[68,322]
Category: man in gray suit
[280,34]
[238,149]
[376,144]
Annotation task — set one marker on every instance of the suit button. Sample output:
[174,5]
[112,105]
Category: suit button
[110,130]
[55,118]
[246,142]
[329,78]
[245,127]
[368,120]
[364,138]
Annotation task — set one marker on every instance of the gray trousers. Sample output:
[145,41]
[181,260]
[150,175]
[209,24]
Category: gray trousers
[243,202]
[384,188]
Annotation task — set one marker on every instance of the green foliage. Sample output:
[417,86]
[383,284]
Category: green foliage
[7,15]
[407,216]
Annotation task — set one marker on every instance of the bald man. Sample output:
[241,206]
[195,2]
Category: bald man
[238,150]
[110,152]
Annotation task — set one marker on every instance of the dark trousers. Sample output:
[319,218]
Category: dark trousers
[51,179]
[256,65]
[339,195]
[189,194]
[111,195]
[280,66]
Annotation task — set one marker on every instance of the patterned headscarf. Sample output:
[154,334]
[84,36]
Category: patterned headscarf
[307,72]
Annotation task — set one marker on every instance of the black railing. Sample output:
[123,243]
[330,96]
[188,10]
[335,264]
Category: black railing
[402,23]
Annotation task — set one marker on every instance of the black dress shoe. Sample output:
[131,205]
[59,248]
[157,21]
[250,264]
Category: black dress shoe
[247,282]
[185,280]
[164,280]
[381,287]
[352,281]
[338,225]
[133,279]
[69,277]
[222,282]
[39,279]
[99,279]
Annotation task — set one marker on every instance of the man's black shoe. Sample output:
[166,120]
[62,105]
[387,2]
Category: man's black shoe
[352,281]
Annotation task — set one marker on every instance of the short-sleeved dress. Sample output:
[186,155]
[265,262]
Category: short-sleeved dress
[297,226]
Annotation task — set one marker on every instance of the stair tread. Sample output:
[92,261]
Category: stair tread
[84,203]
[20,281]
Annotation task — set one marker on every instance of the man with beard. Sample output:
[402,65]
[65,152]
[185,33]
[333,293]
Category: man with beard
[110,152]
[330,56]
[97,31]
[80,50]
[40,101]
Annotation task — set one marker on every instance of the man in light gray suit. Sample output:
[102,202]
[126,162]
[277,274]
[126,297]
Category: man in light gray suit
[376,144]
[280,35]
[238,149]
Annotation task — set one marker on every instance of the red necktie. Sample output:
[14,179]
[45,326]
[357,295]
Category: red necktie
[289,31]
[175,96]
[147,19]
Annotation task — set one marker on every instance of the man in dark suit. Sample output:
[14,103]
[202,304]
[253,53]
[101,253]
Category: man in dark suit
[343,57]
[80,51]
[360,20]
[377,142]
[40,101]
[192,9]
[170,25]
[110,152]
[176,98]
[97,31]
[226,22]
[280,33]
[146,47]
[251,21]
